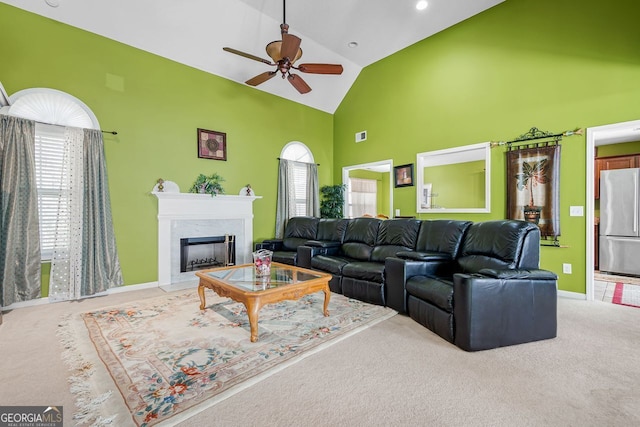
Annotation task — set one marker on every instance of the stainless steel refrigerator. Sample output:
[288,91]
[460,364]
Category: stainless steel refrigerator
[620,221]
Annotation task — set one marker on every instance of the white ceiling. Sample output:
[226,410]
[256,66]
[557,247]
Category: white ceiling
[193,32]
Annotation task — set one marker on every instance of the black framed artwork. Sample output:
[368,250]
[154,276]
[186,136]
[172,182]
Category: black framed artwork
[403,175]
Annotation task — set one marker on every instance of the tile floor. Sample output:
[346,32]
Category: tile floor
[603,291]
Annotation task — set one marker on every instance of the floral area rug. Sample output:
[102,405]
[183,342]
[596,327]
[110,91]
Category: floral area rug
[166,359]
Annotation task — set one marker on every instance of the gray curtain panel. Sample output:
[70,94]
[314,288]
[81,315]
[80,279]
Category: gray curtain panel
[286,199]
[100,265]
[313,192]
[19,229]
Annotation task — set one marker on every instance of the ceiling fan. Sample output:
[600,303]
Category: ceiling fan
[284,54]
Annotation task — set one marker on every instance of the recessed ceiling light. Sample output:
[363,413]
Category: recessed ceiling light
[52,3]
[352,44]
[422,5]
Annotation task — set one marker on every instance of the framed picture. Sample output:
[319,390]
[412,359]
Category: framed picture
[212,145]
[403,175]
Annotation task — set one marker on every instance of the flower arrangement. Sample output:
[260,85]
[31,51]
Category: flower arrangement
[208,184]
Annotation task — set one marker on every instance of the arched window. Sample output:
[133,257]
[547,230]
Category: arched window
[49,107]
[298,152]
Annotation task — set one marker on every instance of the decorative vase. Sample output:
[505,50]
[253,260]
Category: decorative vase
[532,213]
[262,262]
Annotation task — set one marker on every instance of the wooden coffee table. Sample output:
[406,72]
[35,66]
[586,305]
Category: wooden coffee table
[240,283]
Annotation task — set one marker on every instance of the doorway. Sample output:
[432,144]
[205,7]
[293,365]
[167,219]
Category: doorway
[382,167]
[596,136]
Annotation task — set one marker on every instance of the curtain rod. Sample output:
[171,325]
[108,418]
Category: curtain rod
[534,134]
[317,164]
[112,132]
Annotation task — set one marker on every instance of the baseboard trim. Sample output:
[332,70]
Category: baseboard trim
[116,290]
[149,285]
[130,288]
[572,295]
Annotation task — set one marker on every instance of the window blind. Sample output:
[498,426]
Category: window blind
[50,175]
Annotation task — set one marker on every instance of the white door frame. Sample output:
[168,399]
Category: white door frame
[596,136]
[375,165]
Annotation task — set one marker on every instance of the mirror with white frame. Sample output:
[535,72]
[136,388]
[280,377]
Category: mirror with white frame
[456,180]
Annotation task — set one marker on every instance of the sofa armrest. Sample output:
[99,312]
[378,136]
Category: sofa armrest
[306,252]
[518,274]
[271,244]
[517,307]
[397,271]
[424,256]
[323,243]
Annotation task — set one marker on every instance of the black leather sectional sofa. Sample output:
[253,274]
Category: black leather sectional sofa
[477,285]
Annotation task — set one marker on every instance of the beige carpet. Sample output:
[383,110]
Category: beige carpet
[394,373]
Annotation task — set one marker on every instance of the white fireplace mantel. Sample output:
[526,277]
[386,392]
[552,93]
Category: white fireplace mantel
[218,212]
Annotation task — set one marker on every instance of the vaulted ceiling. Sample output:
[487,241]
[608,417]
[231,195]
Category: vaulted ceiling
[193,32]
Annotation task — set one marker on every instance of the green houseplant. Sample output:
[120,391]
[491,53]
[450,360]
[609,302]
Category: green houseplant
[208,184]
[332,203]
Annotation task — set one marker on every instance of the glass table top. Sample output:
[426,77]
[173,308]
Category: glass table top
[244,277]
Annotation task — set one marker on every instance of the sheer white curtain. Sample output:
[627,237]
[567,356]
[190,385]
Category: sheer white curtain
[66,262]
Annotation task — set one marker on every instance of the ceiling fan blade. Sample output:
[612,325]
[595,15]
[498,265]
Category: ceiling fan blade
[297,82]
[261,78]
[290,46]
[321,68]
[247,55]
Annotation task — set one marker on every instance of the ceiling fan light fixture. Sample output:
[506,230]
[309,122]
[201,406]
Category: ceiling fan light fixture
[284,53]
[273,50]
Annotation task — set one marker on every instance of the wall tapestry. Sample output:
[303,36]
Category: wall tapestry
[533,187]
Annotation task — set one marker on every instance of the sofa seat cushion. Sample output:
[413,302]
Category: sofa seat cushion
[435,291]
[285,257]
[329,263]
[363,270]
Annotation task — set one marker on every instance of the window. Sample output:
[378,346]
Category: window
[50,174]
[49,108]
[363,197]
[299,152]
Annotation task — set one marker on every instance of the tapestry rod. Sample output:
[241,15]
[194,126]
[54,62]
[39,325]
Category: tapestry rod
[534,134]
[317,164]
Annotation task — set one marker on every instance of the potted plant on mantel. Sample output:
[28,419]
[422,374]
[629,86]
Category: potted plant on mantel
[332,203]
[533,173]
[208,185]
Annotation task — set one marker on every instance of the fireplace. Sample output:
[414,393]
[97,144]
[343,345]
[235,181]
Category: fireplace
[199,216]
[198,253]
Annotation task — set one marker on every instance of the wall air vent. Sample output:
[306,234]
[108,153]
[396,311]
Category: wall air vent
[361,136]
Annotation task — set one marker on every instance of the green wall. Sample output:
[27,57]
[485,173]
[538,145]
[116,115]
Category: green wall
[458,185]
[552,64]
[156,105]
[618,149]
